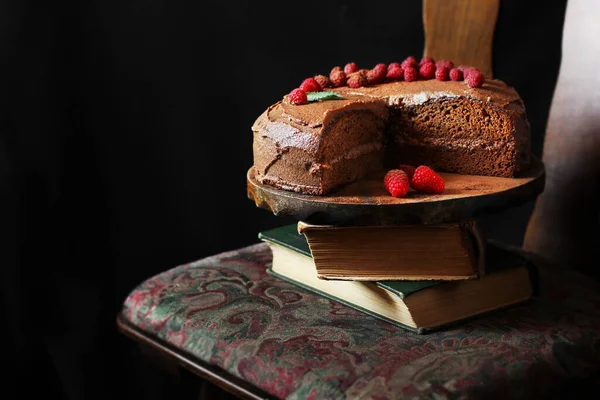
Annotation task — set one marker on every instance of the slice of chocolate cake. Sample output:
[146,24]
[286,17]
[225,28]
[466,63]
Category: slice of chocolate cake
[317,147]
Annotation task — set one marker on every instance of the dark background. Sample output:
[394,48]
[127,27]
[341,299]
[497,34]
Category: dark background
[125,140]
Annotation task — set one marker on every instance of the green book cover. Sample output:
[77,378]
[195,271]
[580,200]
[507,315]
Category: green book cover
[289,237]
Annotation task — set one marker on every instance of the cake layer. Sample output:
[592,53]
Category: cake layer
[454,134]
[317,147]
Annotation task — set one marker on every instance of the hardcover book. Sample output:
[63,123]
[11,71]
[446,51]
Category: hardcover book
[418,306]
[453,251]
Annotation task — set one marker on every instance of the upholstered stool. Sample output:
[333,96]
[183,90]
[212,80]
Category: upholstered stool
[229,321]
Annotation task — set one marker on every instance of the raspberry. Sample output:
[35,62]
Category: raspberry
[445,63]
[456,74]
[474,78]
[376,75]
[350,68]
[409,169]
[336,68]
[411,74]
[395,74]
[298,96]
[363,71]
[310,85]
[427,180]
[426,60]
[466,70]
[427,71]
[323,81]
[394,65]
[357,80]
[381,66]
[409,62]
[442,73]
[396,182]
[338,78]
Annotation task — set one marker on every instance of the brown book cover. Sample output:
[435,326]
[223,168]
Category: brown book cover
[453,251]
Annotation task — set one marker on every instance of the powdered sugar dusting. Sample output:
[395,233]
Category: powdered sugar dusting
[419,98]
[287,136]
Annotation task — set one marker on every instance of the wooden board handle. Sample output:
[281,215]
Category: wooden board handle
[461,31]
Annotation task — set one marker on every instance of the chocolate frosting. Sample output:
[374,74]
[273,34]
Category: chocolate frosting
[301,127]
[493,91]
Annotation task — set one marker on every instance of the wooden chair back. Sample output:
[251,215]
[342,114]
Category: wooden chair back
[461,31]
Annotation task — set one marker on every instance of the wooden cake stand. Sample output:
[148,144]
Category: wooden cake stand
[367,202]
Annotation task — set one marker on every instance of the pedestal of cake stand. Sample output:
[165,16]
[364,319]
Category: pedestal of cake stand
[367,202]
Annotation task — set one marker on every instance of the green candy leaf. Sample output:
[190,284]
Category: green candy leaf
[318,96]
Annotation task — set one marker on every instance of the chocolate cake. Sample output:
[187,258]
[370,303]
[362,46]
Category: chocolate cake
[317,147]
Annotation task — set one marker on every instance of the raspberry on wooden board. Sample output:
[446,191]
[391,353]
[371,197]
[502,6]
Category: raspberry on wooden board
[409,169]
[396,182]
[426,180]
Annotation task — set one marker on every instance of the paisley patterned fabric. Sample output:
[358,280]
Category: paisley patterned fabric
[227,311]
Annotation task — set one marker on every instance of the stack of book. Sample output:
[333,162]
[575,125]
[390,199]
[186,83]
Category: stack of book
[417,277]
